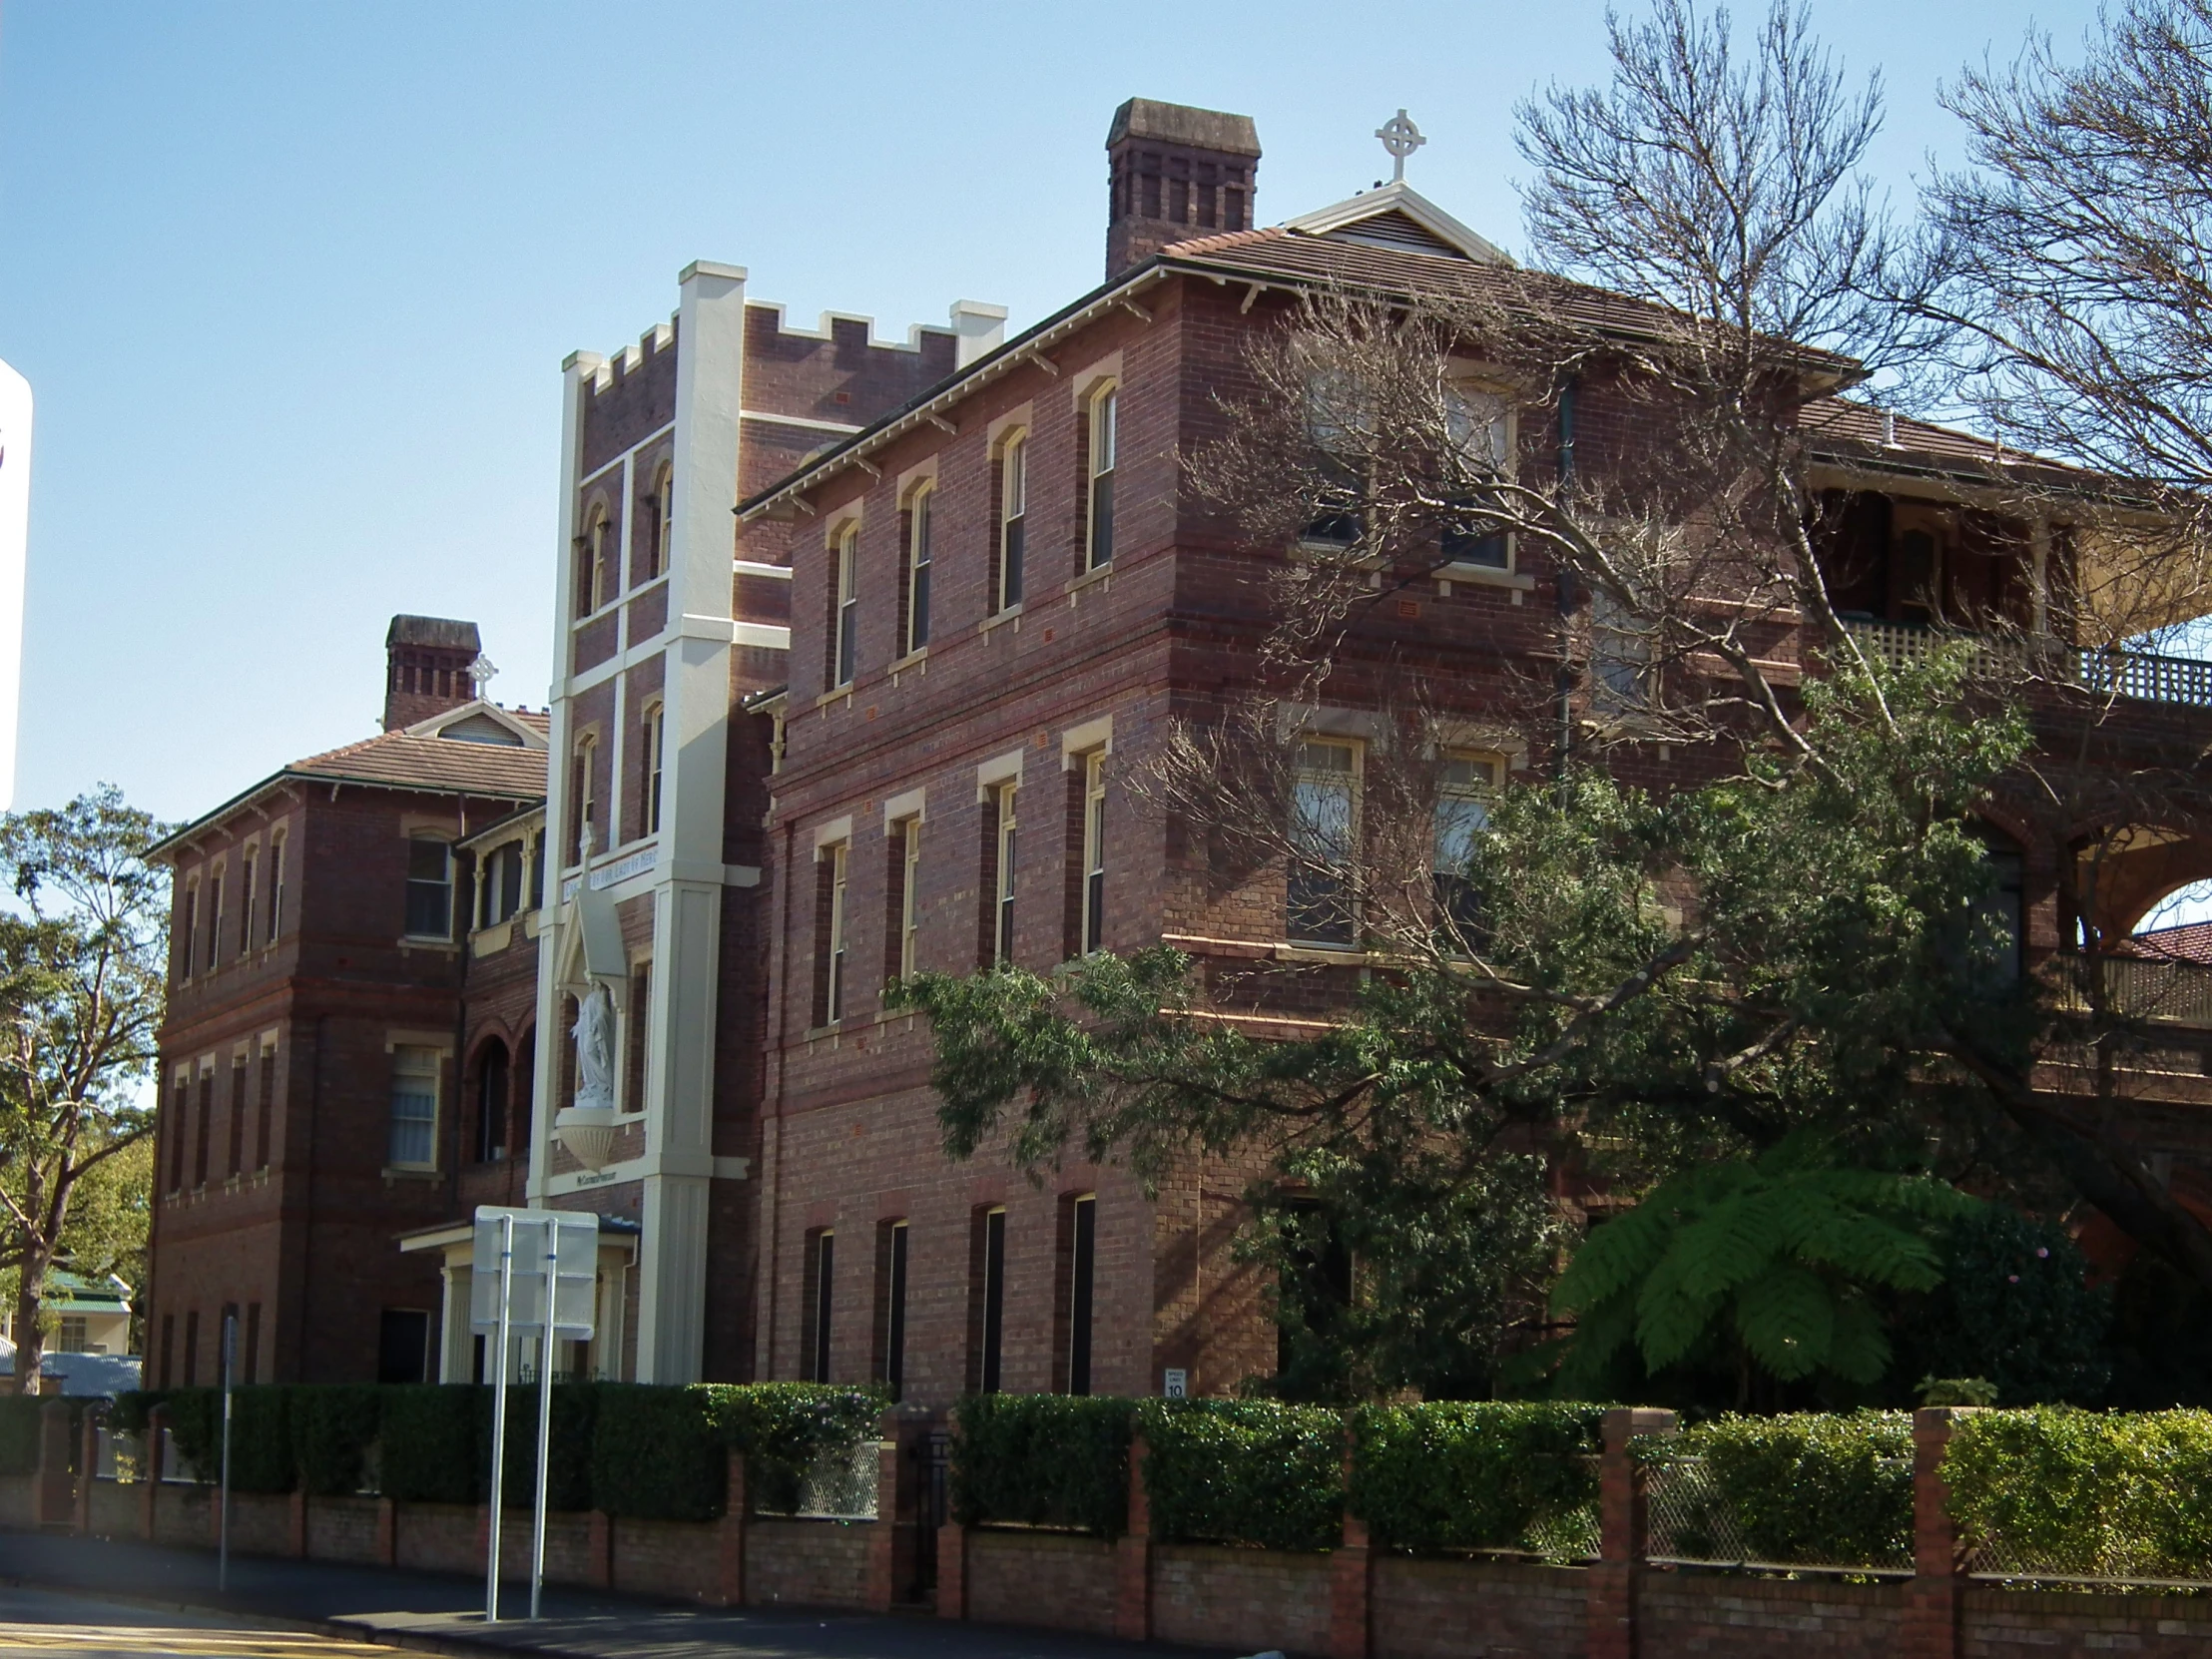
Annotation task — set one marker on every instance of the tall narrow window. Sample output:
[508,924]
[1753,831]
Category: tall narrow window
[1324,832]
[835,940]
[584,811]
[180,1129]
[1105,450]
[491,1104]
[654,731]
[1094,852]
[844,612]
[214,916]
[510,879]
[250,1369]
[192,1346]
[891,1324]
[429,888]
[1081,1260]
[204,1126]
[593,584]
[249,894]
[1481,426]
[664,523]
[636,1023]
[987,1300]
[235,1128]
[903,913]
[275,885]
[919,559]
[1463,788]
[1002,921]
[1014,507]
[821,1270]
[265,1128]
[537,870]
[189,932]
[413,1139]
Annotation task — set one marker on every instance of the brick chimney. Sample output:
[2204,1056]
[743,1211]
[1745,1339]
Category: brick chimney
[426,662]
[1175,173]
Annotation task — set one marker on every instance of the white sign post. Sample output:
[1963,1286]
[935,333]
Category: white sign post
[536,1274]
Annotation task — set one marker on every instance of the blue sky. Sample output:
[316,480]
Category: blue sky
[292,282]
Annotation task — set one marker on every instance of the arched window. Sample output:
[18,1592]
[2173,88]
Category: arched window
[664,523]
[583,810]
[1013,519]
[654,732]
[591,565]
[493,1082]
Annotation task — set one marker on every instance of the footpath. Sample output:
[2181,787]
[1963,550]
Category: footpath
[433,1613]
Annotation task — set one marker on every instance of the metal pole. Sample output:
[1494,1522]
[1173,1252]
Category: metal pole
[499,1417]
[229,1364]
[545,1410]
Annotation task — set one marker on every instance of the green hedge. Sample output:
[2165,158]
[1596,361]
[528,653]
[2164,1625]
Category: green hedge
[1478,1476]
[1243,1471]
[333,1430]
[431,1443]
[659,1453]
[2084,1492]
[1043,1460]
[19,1417]
[1828,1490]
[569,1455]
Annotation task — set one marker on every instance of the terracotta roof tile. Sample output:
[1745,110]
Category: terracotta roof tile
[441,764]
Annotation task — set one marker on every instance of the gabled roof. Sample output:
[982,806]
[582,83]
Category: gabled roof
[475,722]
[412,759]
[1397,216]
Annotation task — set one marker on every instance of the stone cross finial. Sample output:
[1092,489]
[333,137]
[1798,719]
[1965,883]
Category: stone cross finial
[1400,138]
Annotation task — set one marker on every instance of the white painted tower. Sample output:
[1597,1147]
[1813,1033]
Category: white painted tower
[15,536]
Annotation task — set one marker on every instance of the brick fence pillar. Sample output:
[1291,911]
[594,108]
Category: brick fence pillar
[1132,1557]
[729,1587]
[599,1550]
[56,1495]
[150,1469]
[1939,1575]
[88,1467]
[1350,1584]
[295,1521]
[1622,1531]
[882,1553]
[951,1570]
[387,1532]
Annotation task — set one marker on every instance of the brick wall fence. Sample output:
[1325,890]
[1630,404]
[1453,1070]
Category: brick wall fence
[1352,1602]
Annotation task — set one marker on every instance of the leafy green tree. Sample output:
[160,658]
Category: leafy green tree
[81,1000]
[2016,1308]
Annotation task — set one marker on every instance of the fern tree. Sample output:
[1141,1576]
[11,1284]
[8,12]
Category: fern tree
[1776,1261]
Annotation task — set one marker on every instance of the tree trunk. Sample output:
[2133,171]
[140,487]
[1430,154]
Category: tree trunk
[30,1340]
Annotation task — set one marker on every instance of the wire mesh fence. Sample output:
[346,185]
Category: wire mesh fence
[840,1485]
[1692,1519]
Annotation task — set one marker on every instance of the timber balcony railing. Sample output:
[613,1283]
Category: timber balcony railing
[2131,674]
[2156,990]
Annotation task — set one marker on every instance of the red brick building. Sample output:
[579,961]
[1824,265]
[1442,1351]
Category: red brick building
[890,726]
[307,1063]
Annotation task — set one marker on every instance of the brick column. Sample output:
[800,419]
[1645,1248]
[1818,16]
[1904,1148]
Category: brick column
[1132,1557]
[1622,1526]
[883,1542]
[728,1586]
[150,1469]
[599,1551]
[55,1497]
[296,1523]
[951,1570]
[1350,1583]
[88,1467]
[387,1532]
[1939,1575]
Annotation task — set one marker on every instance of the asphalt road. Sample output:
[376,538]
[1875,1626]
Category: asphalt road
[51,1621]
